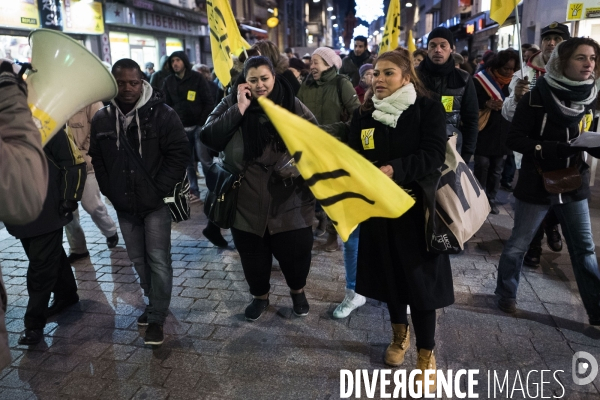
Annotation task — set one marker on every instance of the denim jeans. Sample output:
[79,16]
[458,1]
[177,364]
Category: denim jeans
[577,229]
[351,257]
[93,205]
[148,243]
[192,167]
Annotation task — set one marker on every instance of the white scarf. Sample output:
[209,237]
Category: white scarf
[388,110]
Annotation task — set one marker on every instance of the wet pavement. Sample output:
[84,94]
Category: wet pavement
[95,349]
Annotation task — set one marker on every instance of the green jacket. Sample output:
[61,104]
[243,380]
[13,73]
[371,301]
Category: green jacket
[322,99]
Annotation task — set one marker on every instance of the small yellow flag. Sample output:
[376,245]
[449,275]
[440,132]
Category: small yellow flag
[410,42]
[389,40]
[350,188]
[501,9]
[225,38]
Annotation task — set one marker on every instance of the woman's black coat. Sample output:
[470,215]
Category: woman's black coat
[393,262]
[531,126]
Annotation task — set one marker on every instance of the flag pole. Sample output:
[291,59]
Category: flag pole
[519,37]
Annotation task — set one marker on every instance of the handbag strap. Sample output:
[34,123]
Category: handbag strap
[575,164]
[138,161]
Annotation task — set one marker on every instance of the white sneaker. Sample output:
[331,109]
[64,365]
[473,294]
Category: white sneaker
[352,301]
[407,310]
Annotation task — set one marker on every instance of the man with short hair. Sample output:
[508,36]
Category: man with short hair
[453,87]
[551,36]
[188,93]
[355,59]
[137,127]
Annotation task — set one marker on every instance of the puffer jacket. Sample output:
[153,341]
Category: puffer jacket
[464,114]
[165,153]
[530,127]
[79,126]
[351,64]
[188,96]
[323,100]
[264,202]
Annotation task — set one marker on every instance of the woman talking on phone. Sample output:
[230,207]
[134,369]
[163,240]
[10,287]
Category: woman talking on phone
[274,215]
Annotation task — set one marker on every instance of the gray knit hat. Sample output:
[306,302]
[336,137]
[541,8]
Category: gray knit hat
[329,56]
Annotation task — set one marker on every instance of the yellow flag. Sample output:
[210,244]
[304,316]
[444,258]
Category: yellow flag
[350,188]
[501,9]
[225,38]
[410,42]
[389,40]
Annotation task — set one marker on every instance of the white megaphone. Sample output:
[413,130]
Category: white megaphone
[65,77]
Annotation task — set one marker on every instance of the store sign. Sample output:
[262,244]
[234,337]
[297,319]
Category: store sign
[119,14]
[50,14]
[582,9]
[165,23]
[19,14]
[81,16]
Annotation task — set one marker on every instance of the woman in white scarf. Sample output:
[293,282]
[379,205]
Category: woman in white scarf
[402,132]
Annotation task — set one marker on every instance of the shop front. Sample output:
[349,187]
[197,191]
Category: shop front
[80,19]
[146,34]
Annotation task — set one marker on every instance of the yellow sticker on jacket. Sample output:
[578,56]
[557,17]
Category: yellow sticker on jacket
[448,102]
[191,95]
[366,137]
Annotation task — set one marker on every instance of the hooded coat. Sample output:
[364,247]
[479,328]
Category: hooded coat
[153,129]
[189,96]
[157,78]
[326,103]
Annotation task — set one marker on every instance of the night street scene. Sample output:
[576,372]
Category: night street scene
[285,199]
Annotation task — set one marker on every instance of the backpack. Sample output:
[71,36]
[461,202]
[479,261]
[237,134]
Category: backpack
[344,115]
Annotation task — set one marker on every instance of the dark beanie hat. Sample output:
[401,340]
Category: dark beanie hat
[441,32]
[297,64]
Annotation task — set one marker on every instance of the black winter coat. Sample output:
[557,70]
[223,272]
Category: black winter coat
[66,180]
[465,110]
[165,154]
[491,140]
[393,262]
[189,96]
[530,127]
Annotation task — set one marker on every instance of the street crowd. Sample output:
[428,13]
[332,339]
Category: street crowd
[396,109]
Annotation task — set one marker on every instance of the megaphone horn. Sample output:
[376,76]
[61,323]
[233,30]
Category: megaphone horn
[65,77]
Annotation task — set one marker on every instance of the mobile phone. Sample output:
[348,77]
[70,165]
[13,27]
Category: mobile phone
[248,96]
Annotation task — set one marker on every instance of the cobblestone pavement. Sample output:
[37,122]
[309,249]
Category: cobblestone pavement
[95,349]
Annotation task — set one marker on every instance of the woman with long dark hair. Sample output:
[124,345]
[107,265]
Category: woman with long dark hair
[403,132]
[274,217]
[548,118]
[491,85]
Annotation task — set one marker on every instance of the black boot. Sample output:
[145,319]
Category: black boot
[213,233]
[322,226]
[554,238]
[532,257]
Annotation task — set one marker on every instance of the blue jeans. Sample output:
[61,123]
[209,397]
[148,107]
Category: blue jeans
[351,257]
[192,167]
[577,229]
[148,243]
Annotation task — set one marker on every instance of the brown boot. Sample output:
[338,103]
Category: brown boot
[394,354]
[426,360]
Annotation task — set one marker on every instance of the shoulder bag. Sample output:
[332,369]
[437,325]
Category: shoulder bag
[178,199]
[561,180]
[220,204]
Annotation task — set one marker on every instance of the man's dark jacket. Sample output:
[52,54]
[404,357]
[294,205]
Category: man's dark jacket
[66,179]
[351,64]
[465,108]
[189,96]
[165,154]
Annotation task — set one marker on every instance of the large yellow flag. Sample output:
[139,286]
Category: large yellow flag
[389,40]
[225,38]
[350,188]
[410,42]
[501,9]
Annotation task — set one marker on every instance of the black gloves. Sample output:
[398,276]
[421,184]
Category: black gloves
[8,77]
[66,207]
